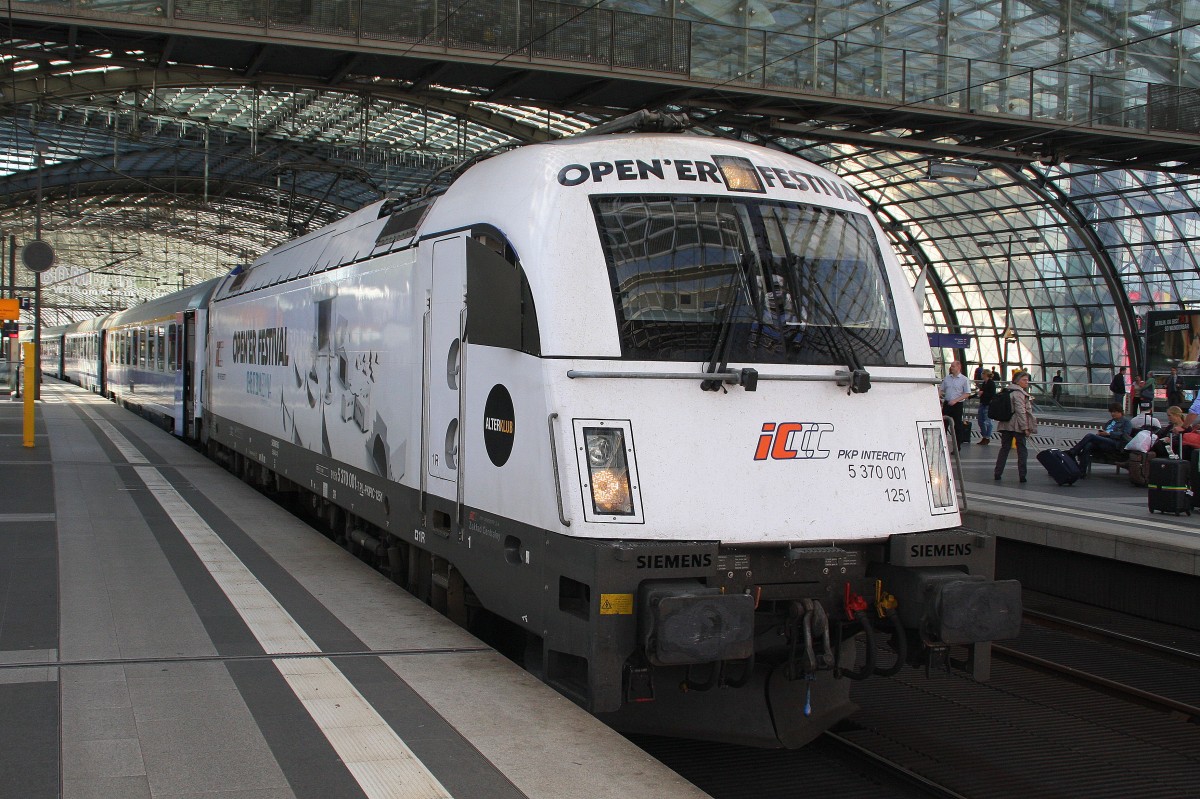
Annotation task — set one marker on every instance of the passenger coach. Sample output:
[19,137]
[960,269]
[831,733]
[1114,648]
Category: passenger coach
[152,355]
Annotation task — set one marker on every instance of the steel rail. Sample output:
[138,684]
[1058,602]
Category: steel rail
[1190,713]
[1100,634]
[895,769]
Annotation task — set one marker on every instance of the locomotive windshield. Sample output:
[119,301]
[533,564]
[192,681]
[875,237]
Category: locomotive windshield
[791,283]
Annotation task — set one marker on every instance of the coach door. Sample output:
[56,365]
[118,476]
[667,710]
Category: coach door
[186,355]
[102,361]
[443,395]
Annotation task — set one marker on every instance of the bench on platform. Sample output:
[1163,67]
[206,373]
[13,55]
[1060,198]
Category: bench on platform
[1119,459]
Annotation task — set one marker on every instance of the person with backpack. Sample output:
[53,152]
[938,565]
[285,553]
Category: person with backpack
[1117,387]
[987,393]
[1146,392]
[1021,424]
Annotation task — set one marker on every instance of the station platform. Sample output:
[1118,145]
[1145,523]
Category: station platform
[1104,515]
[166,631]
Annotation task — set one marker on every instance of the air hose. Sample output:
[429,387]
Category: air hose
[868,668]
[899,643]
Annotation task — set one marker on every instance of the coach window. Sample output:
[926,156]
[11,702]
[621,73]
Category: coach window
[161,363]
[172,348]
[500,310]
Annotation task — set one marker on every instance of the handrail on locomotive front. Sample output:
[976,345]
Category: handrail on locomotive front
[956,460]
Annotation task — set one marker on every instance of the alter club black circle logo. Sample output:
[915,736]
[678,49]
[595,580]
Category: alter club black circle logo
[499,426]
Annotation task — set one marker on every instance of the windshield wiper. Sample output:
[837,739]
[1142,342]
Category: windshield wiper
[718,353]
[747,378]
[859,380]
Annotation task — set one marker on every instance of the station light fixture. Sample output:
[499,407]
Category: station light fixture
[939,170]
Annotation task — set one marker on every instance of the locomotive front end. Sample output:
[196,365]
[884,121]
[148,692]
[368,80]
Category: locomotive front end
[753,481]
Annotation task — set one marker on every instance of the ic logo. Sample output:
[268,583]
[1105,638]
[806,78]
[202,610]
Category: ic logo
[787,441]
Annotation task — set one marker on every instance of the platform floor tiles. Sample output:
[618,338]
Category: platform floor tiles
[165,631]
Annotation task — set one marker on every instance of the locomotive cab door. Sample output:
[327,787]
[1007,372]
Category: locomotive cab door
[443,373]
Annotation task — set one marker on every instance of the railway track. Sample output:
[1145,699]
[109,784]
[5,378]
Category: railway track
[902,774]
[832,765]
[1095,632]
[1188,711]
[1111,687]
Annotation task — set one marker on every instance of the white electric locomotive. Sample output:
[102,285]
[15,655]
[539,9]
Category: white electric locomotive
[663,403]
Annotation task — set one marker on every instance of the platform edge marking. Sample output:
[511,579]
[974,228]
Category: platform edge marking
[377,758]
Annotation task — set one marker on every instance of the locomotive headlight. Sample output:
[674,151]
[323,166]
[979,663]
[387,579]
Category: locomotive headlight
[739,173]
[601,444]
[608,471]
[610,492]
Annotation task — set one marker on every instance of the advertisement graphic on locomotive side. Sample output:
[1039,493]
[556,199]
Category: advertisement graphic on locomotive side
[294,367]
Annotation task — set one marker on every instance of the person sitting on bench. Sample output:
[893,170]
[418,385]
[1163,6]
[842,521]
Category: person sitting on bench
[1170,436]
[1110,439]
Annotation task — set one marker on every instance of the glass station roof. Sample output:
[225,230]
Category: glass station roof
[150,185]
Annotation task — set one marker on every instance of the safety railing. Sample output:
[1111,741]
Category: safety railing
[537,31]
[1082,396]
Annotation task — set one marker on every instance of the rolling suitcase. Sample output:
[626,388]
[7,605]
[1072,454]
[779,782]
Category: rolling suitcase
[1195,477]
[1168,486]
[1061,466]
[1139,468]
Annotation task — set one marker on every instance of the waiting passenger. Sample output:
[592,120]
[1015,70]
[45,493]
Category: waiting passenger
[987,393]
[1170,435]
[1146,420]
[1110,439]
[1023,423]
[1193,413]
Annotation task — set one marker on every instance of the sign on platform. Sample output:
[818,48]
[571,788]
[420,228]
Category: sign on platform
[10,309]
[957,341]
